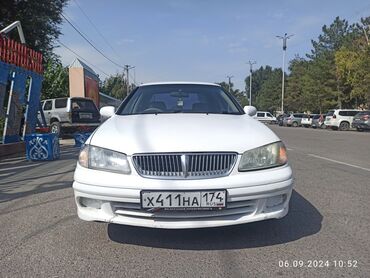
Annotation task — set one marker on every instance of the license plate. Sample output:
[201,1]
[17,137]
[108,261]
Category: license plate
[214,199]
[85,115]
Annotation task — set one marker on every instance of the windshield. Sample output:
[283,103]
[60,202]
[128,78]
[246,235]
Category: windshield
[180,98]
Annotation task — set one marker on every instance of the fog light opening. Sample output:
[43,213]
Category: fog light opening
[90,203]
[275,201]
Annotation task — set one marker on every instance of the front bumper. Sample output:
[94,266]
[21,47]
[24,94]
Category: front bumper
[115,198]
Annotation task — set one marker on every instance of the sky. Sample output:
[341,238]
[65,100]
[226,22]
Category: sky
[196,40]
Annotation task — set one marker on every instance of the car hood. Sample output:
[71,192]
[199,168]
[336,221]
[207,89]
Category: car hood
[181,133]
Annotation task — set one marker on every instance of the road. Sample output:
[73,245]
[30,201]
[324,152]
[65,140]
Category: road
[328,221]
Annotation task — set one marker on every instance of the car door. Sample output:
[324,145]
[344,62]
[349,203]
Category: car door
[47,108]
[60,110]
[260,116]
[269,117]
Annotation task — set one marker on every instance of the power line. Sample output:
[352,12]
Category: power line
[96,29]
[89,42]
[82,58]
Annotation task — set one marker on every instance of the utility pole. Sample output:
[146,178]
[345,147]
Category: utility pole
[250,80]
[229,77]
[365,32]
[284,38]
[127,68]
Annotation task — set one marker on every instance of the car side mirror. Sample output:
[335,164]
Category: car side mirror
[250,110]
[107,111]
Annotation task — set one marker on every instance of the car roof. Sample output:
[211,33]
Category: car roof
[345,110]
[179,83]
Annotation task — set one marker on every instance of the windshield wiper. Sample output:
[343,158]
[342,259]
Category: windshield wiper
[230,113]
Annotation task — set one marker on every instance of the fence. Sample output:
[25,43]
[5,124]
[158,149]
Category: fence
[20,88]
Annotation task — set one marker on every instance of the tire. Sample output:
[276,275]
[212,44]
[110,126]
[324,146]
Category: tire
[56,128]
[344,126]
[294,124]
[359,129]
[323,126]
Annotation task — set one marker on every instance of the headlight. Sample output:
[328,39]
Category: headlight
[267,156]
[103,159]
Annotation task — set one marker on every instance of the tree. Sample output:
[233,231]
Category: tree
[269,96]
[115,86]
[258,78]
[56,79]
[40,21]
[239,95]
[338,34]
[305,90]
[353,68]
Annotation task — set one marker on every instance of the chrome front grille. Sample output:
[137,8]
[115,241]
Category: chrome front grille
[184,165]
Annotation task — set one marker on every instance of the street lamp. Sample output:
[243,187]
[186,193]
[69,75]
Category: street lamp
[250,80]
[284,38]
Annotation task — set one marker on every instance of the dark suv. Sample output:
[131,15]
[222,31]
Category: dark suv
[361,120]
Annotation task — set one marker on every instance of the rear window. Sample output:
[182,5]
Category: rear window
[348,113]
[352,113]
[260,114]
[60,103]
[298,115]
[330,113]
[83,104]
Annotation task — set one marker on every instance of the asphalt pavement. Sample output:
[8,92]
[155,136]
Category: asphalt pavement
[325,234]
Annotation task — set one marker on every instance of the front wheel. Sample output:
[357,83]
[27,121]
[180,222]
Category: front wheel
[360,129]
[294,124]
[344,126]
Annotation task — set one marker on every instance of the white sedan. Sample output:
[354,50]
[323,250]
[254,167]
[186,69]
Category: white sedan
[182,155]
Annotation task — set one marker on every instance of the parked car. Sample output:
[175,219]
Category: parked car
[182,155]
[361,120]
[265,117]
[294,119]
[340,118]
[280,119]
[307,120]
[318,121]
[67,115]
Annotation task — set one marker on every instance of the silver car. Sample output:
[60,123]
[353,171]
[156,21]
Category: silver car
[293,120]
[67,115]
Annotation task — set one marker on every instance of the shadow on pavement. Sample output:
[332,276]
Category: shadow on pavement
[23,178]
[302,220]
